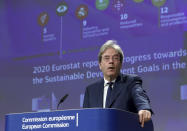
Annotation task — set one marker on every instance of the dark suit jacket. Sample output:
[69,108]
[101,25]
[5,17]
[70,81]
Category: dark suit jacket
[127,94]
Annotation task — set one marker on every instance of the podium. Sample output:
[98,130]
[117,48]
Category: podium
[76,120]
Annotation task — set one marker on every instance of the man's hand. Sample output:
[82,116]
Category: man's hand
[144,115]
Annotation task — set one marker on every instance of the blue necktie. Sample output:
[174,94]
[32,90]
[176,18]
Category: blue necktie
[109,92]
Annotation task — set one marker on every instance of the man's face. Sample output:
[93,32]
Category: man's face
[110,64]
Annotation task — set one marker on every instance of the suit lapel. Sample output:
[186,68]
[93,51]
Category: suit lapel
[100,94]
[116,92]
[118,86]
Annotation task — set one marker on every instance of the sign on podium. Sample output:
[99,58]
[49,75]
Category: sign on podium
[76,120]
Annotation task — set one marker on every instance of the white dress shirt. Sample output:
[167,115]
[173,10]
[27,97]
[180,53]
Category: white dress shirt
[106,85]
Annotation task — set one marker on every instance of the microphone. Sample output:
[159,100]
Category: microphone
[62,100]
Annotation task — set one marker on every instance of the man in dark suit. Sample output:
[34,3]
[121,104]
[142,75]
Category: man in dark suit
[116,90]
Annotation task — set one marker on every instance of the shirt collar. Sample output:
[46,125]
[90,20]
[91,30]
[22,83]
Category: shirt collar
[106,82]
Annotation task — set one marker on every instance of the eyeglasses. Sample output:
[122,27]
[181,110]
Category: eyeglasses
[114,58]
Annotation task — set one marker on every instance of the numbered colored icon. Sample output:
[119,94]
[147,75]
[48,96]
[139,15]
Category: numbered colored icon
[101,4]
[62,9]
[118,5]
[138,1]
[158,3]
[82,12]
[43,19]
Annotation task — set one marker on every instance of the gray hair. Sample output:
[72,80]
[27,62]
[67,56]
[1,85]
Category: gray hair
[110,44]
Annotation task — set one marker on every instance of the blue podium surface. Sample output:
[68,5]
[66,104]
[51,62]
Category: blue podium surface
[76,120]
